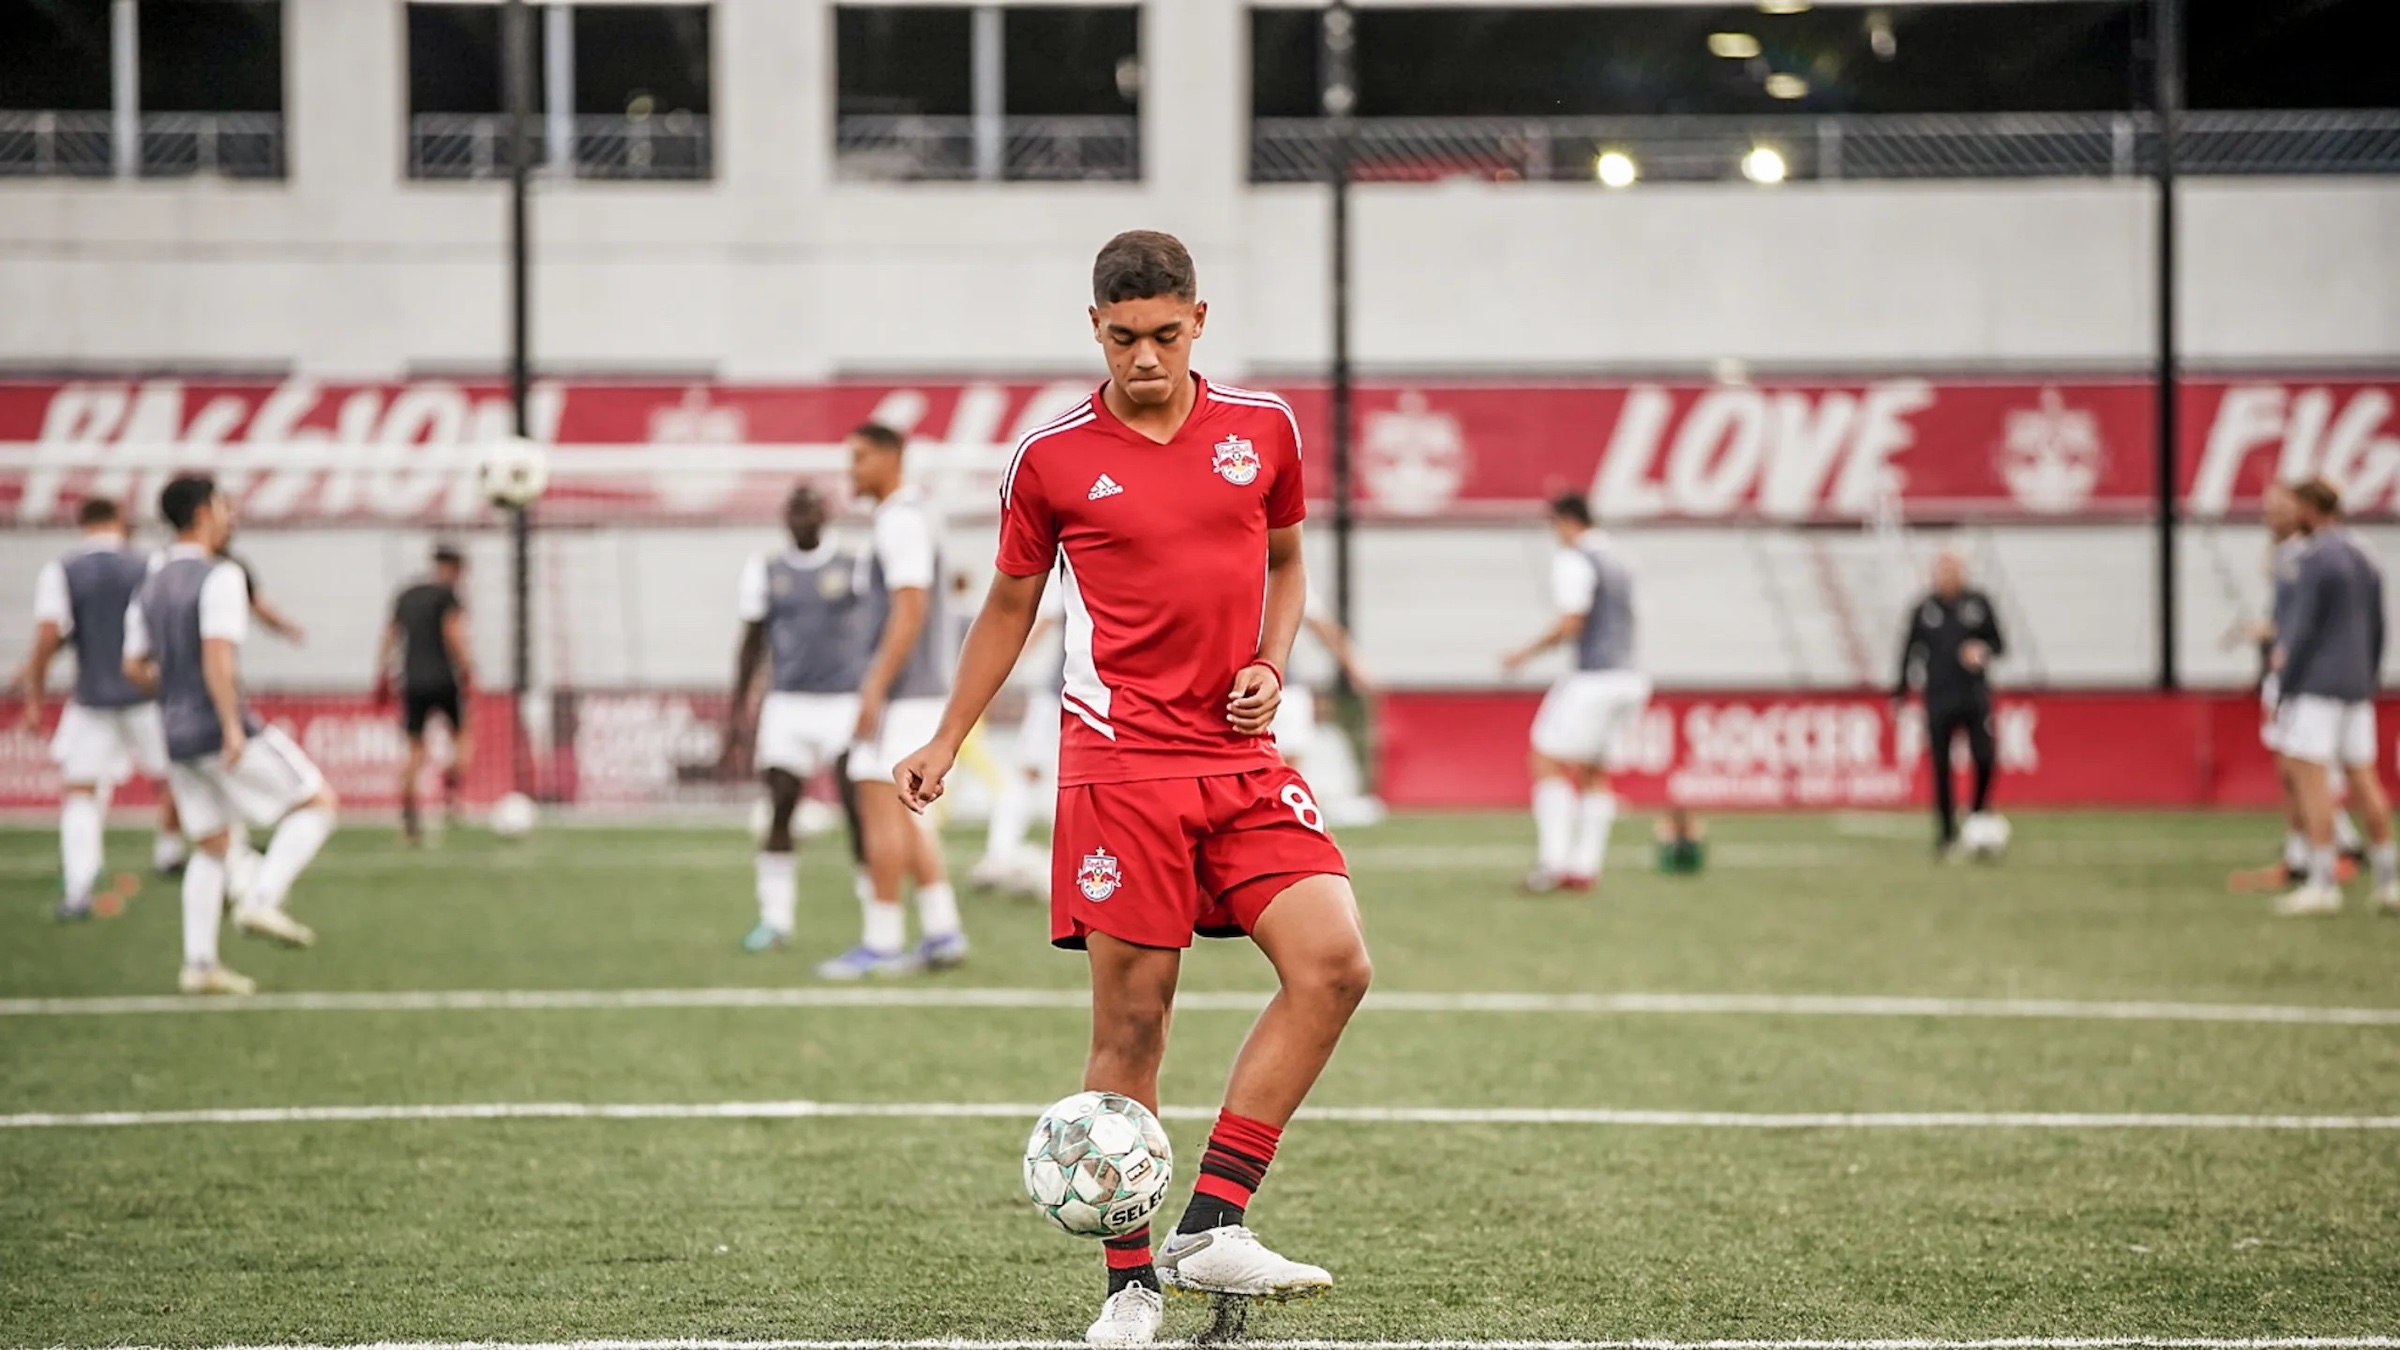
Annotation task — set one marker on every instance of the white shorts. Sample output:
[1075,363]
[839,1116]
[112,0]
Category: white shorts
[1585,713]
[803,733]
[1295,728]
[102,747]
[272,778]
[2266,716]
[1037,734]
[908,723]
[2326,731]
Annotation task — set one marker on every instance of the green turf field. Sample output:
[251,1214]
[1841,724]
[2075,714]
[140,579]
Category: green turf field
[2099,1220]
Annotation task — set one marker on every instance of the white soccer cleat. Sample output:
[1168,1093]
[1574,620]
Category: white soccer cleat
[1130,1317]
[1231,1260]
[2306,901]
[215,980]
[275,925]
[2387,898]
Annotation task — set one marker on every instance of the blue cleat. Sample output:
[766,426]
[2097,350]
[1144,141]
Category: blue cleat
[765,938]
[860,962]
[947,952]
[72,911]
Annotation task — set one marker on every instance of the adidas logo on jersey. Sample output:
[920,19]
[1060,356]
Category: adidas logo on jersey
[1104,486]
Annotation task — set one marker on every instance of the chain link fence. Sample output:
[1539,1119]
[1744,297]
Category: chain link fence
[1713,149]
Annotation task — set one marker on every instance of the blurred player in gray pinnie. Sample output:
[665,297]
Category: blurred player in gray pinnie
[2328,664]
[801,622]
[183,636]
[109,730]
[900,702]
[1953,637]
[1589,709]
[427,637]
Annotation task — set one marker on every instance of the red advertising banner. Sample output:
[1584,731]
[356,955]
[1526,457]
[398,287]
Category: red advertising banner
[1801,751]
[355,741]
[1783,450]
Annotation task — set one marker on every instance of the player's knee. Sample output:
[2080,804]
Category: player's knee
[1133,1037]
[215,845]
[1341,975]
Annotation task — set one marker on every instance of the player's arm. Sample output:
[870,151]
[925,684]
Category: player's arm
[139,668]
[1561,629]
[454,641]
[904,547]
[1574,589]
[1258,687]
[994,642]
[52,616]
[1337,640]
[1912,647]
[272,619]
[225,609]
[386,647]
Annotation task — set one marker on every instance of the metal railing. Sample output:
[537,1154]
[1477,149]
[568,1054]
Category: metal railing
[173,145]
[1711,149]
[881,148]
[476,145]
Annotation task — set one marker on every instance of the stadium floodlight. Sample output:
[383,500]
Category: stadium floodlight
[1784,6]
[1733,46]
[1764,164]
[1616,169]
[1784,84]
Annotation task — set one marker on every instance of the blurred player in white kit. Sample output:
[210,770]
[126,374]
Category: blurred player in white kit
[900,701]
[183,634]
[1026,784]
[1588,708]
[109,730]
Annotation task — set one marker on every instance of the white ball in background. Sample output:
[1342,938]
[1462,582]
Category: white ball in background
[1984,836]
[513,816]
[513,471]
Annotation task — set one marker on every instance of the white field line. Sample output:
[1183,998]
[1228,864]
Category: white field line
[1075,1000]
[2369,1342]
[1365,1115]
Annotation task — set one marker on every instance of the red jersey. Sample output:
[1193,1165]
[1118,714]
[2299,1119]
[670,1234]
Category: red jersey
[1161,553]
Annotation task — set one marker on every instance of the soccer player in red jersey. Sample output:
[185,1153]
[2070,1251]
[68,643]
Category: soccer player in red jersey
[1170,510]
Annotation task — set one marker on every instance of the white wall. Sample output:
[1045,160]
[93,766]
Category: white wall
[776,271]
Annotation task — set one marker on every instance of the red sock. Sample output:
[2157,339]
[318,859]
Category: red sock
[1129,1260]
[1239,1150]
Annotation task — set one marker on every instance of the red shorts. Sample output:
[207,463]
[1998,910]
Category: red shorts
[1156,861]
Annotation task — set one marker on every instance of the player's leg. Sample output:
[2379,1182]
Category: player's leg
[1133,999]
[862,885]
[1555,789]
[1941,729]
[1596,812]
[412,770]
[148,733]
[81,822]
[942,939]
[1984,755]
[1278,877]
[1012,806]
[462,754]
[776,866]
[2311,739]
[207,814]
[2368,801]
[1310,933]
[168,848]
[276,784]
[890,834]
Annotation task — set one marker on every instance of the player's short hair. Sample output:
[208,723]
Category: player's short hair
[97,511]
[449,555]
[180,501]
[878,435]
[1141,265]
[1571,506]
[2319,494]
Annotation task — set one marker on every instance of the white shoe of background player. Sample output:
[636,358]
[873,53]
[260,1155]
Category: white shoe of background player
[2387,898]
[267,922]
[1231,1260]
[2307,901]
[1130,1317]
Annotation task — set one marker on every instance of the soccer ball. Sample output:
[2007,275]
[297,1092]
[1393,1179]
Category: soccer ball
[1098,1164]
[513,471]
[512,816]
[1984,836]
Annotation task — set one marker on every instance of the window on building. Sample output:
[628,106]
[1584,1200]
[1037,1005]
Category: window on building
[2328,54]
[903,60]
[212,56]
[619,91]
[961,92]
[54,55]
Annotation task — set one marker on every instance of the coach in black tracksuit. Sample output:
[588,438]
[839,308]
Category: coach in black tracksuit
[1953,637]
